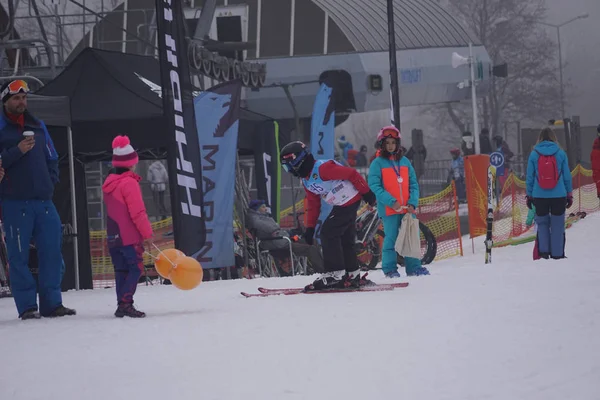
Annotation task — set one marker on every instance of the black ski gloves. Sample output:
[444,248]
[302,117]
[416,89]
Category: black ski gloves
[308,235]
[529,202]
[569,200]
[369,197]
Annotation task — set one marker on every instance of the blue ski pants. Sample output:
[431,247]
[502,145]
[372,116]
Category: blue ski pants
[391,226]
[129,264]
[37,219]
[550,219]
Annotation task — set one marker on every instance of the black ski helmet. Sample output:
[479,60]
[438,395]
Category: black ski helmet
[296,159]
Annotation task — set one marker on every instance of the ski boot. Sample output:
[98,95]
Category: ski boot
[418,272]
[392,274]
[355,280]
[328,280]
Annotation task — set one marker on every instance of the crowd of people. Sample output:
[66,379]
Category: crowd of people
[346,155]
[29,172]
[392,185]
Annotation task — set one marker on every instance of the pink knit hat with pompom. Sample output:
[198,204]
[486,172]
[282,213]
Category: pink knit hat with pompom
[124,155]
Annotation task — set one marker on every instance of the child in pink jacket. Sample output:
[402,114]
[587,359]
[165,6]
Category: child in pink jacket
[127,225]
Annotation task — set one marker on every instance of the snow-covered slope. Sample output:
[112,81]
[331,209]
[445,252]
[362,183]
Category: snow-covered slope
[516,329]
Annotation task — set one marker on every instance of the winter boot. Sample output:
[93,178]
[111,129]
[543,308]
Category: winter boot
[30,314]
[61,311]
[128,310]
[328,280]
[393,274]
[418,272]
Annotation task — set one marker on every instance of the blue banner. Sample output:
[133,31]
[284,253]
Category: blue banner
[217,116]
[322,140]
[322,135]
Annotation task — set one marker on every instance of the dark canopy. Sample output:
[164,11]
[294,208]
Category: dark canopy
[53,110]
[109,86]
[117,93]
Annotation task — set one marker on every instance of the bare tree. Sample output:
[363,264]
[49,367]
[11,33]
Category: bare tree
[509,33]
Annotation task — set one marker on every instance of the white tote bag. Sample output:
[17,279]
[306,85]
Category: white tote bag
[408,243]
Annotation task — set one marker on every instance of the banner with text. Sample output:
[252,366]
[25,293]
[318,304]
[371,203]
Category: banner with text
[322,140]
[185,174]
[265,142]
[217,116]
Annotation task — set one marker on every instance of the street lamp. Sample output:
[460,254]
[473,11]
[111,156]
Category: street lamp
[560,63]
[457,61]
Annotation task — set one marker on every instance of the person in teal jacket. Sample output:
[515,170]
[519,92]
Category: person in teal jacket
[394,182]
[549,188]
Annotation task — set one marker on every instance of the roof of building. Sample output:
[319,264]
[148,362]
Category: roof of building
[418,24]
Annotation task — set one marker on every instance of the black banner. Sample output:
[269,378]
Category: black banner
[266,161]
[185,173]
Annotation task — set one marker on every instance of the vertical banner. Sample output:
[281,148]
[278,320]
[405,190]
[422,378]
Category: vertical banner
[322,136]
[322,140]
[185,174]
[267,164]
[217,122]
[476,168]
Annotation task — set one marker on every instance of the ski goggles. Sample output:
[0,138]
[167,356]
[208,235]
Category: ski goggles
[390,133]
[291,162]
[15,87]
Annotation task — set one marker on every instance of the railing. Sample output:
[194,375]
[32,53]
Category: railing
[62,33]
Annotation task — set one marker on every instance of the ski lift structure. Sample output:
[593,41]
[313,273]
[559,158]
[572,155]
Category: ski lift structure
[217,41]
[205,59]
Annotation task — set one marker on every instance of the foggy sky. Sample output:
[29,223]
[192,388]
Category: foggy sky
[581,50]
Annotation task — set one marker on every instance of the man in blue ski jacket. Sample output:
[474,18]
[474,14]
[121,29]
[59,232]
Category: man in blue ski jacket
[31,171]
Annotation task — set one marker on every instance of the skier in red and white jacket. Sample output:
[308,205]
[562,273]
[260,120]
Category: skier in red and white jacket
[343,188]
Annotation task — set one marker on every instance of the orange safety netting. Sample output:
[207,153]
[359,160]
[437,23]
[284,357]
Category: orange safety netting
[440,213]
[103,274]
[511,210]
[286,217]
[476,167]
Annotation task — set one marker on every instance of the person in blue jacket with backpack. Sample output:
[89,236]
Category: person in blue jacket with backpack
[549,188]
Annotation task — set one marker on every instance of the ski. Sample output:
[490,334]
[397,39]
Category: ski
[294,291]
[491,186]
[288,290]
